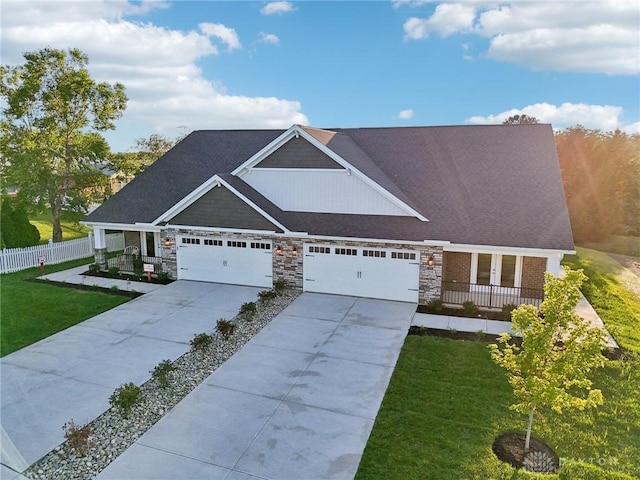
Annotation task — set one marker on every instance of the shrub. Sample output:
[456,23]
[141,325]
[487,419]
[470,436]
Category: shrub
[125,397]
[138,265]
[470,308]
[78,437]
[280,285]
[94,268]
[161,373]
[114,288]
[435,305]
[248,309]
[201,341]
[267,295]
[507,309]
[163,276]
[114,270]
[17,231]
[225,327]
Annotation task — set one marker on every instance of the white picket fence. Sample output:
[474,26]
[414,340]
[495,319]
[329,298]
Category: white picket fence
[15,259]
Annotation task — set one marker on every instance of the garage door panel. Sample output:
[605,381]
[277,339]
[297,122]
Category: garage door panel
[225,261]
[362,272]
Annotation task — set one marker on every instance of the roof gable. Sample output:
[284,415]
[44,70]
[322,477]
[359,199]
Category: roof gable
[298,153]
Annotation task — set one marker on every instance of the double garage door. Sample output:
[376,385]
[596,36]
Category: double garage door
[388,274]
[237,262]
[385,273]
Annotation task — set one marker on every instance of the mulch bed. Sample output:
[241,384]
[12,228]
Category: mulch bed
[90,288]
[541,458]
[130,277]
[459,312]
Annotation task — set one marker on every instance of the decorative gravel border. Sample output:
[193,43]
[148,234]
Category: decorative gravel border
[112,434]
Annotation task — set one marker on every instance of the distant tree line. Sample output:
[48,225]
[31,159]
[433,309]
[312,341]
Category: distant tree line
[601,175]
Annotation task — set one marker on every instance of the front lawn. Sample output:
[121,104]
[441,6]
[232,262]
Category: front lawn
[32,311]
[447,402]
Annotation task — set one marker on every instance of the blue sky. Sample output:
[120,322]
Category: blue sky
[254,64]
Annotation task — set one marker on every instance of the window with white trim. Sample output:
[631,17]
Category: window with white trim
[261,246]
[374,253]
[316,249]
[236,243]
[346,251]
[403,255]
[213,243]
[191,241]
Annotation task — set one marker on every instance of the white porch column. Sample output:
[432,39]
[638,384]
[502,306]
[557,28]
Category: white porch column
[100,238]
[553,264]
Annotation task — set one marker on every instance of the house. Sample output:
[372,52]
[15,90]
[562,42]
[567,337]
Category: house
[410,214]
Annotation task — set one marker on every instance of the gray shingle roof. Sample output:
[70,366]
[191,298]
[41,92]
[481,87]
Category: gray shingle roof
[484,185]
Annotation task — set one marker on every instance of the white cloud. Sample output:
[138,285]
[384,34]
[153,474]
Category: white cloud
[587,36]
[226,34]
[405,114]
[268,38]
[632,129]
[603,117]
[447,19]
[158,66]
[277,8]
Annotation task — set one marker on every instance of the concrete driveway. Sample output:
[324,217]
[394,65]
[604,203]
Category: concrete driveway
[71,375]
[296,402]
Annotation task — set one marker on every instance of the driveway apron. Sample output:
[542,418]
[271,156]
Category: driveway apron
[296,402]
[71,374]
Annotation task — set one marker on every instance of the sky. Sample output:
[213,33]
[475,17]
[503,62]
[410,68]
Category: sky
[193,65]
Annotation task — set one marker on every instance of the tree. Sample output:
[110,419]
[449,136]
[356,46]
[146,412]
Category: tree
[520,120]
[558,349]
[148,151]
[17,231]
[53,113]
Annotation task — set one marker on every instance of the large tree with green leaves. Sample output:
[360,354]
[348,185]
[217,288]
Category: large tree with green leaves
[52,116]
[549,369]
[147,151]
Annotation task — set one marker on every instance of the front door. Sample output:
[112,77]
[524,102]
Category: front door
[497,276]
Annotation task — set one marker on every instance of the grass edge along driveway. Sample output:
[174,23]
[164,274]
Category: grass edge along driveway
[31,311]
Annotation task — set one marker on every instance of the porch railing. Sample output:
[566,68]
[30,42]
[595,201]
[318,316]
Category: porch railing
[125,263]
[489,296]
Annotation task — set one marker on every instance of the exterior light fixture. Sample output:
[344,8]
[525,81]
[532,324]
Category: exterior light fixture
[431,261]
[295,251]
[279,250]
[167,242]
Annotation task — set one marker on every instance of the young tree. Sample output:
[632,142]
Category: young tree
[558,349]
[51,118]
[520,120]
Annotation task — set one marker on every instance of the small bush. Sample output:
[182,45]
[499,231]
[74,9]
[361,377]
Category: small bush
[201,341]
[138,265]
[78,437]
[248,309]
[161,373]
[266,295]
[94,268]
[507,309]
[114,288]
[435,305]
[163,276]
[280,285]
[125,397]
[225,328]
[470,308]
[114,270]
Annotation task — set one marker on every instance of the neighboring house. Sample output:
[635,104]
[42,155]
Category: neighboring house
[411,214]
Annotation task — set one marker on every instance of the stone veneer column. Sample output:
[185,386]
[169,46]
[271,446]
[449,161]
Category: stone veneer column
[287,265]
[430,276]
[100,255]
[168,253]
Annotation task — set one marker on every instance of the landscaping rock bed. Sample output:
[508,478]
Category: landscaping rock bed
[111,433]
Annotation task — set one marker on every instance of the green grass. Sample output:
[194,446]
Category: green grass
[33,311]
[70,227]
[447,402]
[623,245]
[608,290]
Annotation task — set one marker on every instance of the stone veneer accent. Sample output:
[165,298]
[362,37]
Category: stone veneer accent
[288,265]
[100,256]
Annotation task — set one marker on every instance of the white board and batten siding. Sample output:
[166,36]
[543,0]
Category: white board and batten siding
[237,262]
[383,273]
[320,190]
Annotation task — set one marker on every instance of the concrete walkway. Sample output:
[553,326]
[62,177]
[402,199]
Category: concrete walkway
[296,402]
[71,374]
[75,276]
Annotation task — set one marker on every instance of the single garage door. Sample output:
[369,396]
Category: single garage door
[384,273]
[237,262]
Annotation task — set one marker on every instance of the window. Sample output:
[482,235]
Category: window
[237,244]
[191,241]
[346,251]
[212,242]
[261,246]
[314,249]
[508,273]
[403,255]
[484,269]
[374,253]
